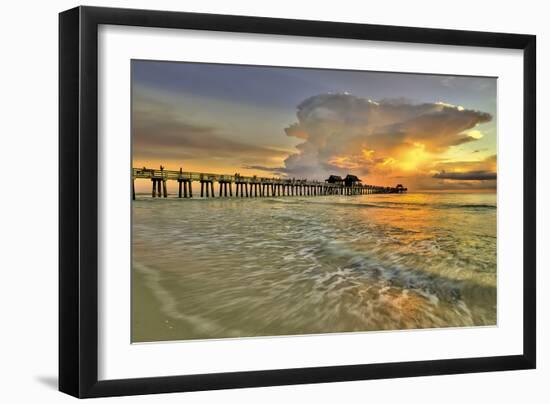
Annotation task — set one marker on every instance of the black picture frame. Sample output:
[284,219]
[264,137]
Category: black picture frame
[78,201]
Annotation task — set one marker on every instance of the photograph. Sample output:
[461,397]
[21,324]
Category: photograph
[279,201]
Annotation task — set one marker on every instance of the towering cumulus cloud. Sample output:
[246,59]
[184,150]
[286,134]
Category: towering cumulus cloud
[343,133]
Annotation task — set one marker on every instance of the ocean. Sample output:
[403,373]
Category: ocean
[232,267]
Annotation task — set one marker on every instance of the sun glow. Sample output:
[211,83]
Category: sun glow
[368,154]
[476,134]
[414,157]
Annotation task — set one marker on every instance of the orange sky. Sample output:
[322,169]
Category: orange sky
[195,117]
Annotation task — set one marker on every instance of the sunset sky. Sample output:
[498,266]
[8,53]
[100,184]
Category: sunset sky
[428,132]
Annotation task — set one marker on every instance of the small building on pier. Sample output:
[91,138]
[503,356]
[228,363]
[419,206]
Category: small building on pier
[334,179]
[400,188]
[351,180]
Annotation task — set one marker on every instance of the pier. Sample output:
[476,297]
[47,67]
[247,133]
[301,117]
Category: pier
[253,186]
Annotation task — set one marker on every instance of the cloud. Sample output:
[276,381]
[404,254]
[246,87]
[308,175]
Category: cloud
[342,132]
[477,174]
[187,139]
[276,171]
[430,185]
[162,131]
[487,164]
[381,141]
[467,176]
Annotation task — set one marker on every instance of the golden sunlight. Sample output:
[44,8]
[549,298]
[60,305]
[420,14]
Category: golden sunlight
[414,157]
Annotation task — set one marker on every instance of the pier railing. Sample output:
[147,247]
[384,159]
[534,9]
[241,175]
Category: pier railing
[250,186]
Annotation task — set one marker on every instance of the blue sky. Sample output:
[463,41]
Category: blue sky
[287,87]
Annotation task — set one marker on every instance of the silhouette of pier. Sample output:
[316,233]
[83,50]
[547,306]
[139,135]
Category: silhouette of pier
[253,186]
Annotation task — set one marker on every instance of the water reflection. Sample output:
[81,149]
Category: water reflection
[286,266]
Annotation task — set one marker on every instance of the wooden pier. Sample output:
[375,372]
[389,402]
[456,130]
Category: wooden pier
[254,186]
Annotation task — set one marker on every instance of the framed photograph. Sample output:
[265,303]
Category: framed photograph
[251,201]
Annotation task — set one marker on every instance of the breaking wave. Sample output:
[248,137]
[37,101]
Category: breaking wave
[288,266]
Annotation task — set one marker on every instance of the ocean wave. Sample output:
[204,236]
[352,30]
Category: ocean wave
[286,266]
[384,204]
[474,206]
